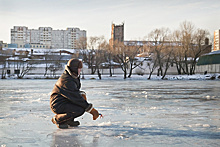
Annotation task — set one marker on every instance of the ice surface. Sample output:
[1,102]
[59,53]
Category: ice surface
[136,113]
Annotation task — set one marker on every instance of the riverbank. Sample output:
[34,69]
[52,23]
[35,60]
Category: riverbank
[133,77]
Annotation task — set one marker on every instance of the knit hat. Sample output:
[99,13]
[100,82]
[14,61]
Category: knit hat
[74,64]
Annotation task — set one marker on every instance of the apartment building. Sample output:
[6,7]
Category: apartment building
[19,36]
[46,37]
[216,40]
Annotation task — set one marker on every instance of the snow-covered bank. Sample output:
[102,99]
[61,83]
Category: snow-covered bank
[133,77]
[154,77]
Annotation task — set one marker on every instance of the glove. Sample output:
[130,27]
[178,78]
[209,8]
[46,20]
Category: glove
[95,113]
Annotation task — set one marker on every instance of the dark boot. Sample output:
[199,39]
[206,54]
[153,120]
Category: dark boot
[73,123]
[60,125]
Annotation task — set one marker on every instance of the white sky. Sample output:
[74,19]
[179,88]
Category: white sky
[96,16]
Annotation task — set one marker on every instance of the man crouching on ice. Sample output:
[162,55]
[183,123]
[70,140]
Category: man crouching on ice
[66,100]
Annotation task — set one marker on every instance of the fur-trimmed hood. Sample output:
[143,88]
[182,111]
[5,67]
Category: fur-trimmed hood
[70,73]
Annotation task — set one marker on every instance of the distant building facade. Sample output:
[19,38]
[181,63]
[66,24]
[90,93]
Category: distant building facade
[216,40]
[3,45]
[46,37]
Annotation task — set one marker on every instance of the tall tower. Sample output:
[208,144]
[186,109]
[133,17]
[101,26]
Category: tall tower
[117,34]
[216,40]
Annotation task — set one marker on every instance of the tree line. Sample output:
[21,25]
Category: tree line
[181,47]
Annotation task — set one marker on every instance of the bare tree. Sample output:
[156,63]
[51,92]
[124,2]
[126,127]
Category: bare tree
[120,53]
[108,56]
[167,58]
[53,61]
[186,32]
[132,53]
[183,48]
[100,54]
[82,45]
[3,63]
[190,45]
[46,58]
[57,65]
[54,68]
[96,54]
[99,58]
[159,41]
[91,54]
[23,67]
[198,47]
[5,54]
[152,66]
[178,52]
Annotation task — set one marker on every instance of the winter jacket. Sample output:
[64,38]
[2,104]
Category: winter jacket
[67,90]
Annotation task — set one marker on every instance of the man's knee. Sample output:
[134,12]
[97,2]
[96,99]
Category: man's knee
[80,112]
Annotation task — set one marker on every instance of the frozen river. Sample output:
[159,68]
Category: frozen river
[136,113]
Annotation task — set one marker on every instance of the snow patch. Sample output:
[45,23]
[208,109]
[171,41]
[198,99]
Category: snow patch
[105,124]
